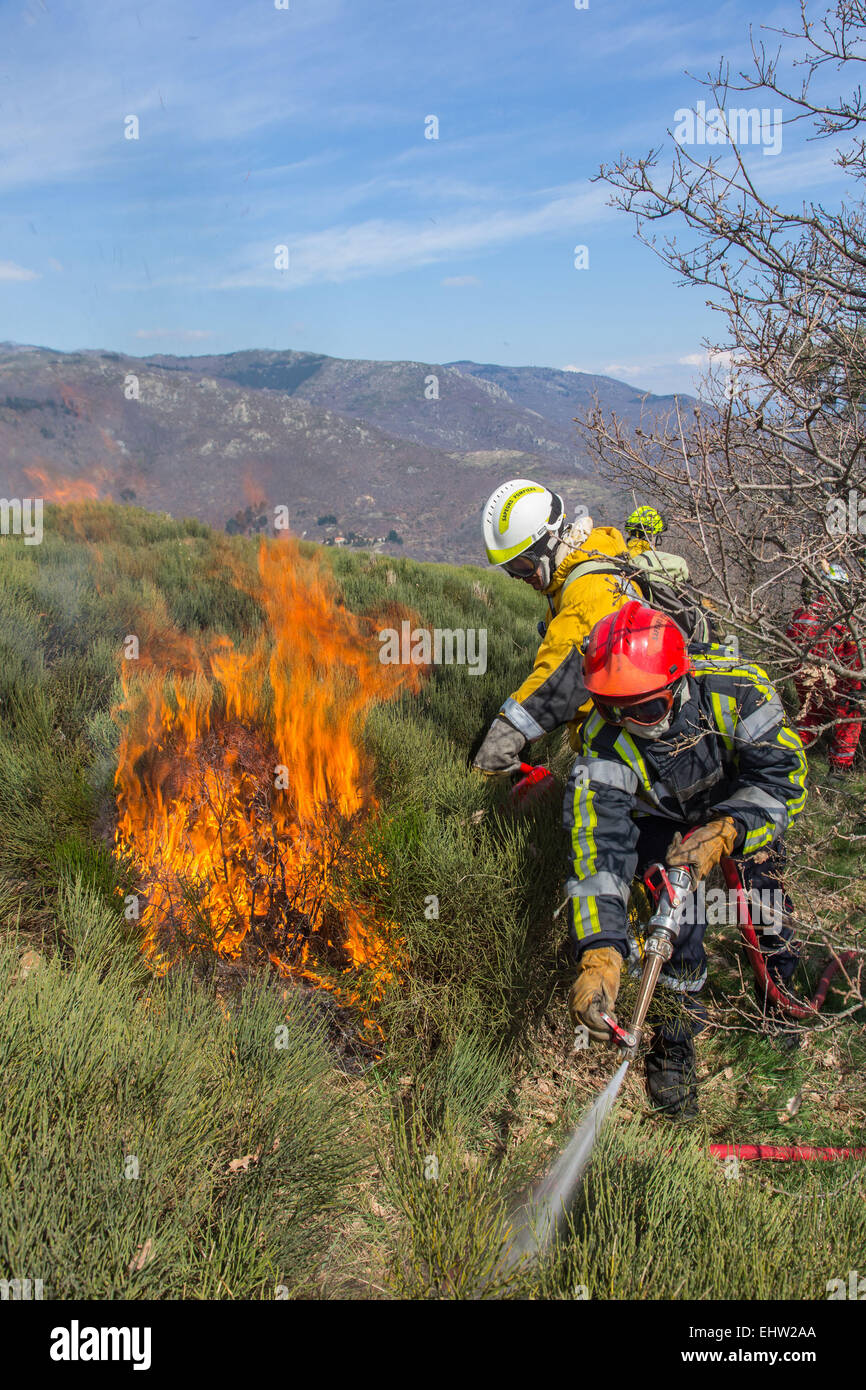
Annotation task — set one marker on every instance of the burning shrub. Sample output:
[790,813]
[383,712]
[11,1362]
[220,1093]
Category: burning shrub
[241,784]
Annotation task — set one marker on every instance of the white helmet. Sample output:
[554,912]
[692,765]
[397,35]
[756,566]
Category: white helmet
[838,574]
[521,516]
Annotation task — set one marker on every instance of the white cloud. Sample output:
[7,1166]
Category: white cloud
[703,360]
[661,375]
[626,369]
[10,271]
[379,245]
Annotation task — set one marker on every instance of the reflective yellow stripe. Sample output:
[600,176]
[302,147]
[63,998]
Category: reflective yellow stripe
[726,718]
[594,723]
[756,839]
[585,917]
[582,837]
[764,834]
[797,777]
[630,753]
[707,664]
[500,557]
[585,910]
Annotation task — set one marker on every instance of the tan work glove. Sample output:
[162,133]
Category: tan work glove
[704,847]
[594,991]
[499,753]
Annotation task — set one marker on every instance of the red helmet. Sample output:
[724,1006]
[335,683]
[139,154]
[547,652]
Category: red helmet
[634,652]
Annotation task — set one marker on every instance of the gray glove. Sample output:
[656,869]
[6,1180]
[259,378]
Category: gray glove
[499,753]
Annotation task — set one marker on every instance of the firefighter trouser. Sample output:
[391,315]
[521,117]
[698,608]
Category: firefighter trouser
[819,708]
[685,974]
[763,881]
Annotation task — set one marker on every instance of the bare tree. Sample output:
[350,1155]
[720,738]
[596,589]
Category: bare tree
[765,480]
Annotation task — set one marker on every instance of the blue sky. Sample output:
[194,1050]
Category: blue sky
[305,127]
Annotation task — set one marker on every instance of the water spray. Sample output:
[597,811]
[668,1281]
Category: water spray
[546,1208]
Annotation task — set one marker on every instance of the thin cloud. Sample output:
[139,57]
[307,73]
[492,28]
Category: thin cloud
[179,335]
[380,245]
[9,270]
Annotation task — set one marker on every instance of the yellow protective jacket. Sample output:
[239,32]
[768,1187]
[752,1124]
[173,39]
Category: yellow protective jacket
[554,692]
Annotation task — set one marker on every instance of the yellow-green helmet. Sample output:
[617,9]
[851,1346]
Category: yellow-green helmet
[645,522]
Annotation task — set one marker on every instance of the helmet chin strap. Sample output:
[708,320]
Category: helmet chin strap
[544,567]
[572,538]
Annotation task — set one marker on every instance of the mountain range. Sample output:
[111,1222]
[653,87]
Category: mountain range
[406,450]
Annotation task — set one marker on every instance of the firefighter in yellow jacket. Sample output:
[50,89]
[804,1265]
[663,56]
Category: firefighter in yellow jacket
[526,532]
[643,531]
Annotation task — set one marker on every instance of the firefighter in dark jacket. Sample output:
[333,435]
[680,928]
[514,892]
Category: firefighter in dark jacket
[683,742]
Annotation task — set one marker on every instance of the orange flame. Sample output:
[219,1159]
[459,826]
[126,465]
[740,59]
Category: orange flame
[241,785]
[57,488]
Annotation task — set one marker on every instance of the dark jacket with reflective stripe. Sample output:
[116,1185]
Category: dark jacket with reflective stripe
[729,752]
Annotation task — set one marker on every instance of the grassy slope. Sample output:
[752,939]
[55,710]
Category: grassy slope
[101,1064]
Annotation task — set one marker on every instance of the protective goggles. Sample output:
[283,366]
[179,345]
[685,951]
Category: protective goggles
[522,566]
[525,565]
[649,710]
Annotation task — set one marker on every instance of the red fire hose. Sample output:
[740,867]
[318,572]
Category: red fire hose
[793,1007]
[789,1154]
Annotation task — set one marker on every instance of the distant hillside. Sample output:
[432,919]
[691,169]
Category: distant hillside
[373,444]
[559,396]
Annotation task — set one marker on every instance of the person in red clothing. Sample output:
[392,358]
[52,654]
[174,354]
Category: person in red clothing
[826,697]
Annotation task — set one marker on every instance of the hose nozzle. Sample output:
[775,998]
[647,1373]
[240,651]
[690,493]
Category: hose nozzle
[664,927]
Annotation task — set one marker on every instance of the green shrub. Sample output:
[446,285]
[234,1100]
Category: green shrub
[125,1102]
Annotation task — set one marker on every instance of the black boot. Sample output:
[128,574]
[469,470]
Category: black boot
[670,1077]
